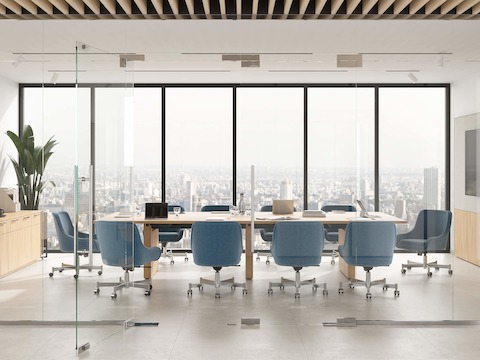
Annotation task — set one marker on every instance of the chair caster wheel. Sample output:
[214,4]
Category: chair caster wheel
[189,293]
[186,259]
[282,287]
[172,262]
[450,272]
[100,272]
[258,259]
[267,262]
[332,262]
[96,291]
[113,296]
[325,292]
[297,296]
[151,287]
[404,271]
[147,293]
[429,274]
[396,293]
[384,288]
[50,274]
[244,292]
[75,276]
[217,296]
[270,291]
[351,286]
[369,295]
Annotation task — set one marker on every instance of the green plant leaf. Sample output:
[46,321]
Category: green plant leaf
[28,162]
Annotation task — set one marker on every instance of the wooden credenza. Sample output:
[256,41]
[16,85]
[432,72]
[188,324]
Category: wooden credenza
[467,235]
[20,240]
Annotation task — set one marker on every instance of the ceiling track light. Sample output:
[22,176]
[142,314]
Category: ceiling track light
[440,61]
[412,77]
[54,78]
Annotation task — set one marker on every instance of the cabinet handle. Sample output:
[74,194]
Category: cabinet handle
[26,217]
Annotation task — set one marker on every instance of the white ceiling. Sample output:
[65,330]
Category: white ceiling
[189,51]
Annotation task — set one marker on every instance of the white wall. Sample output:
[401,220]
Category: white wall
[465,103]
[8,121]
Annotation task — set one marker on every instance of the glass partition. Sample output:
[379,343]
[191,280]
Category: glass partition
[104,195]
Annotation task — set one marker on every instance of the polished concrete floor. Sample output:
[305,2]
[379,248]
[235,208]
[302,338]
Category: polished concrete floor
[202,327]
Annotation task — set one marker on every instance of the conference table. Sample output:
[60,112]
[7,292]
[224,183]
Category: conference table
[185,220]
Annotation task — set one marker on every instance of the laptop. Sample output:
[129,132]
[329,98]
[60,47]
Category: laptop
[156,210]
[363,211]
[282,207]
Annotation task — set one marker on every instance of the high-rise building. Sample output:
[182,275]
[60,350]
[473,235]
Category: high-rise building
[286,190]
[431,188]
[400,208]
[190,193]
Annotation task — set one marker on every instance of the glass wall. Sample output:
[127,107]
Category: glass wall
[58,121]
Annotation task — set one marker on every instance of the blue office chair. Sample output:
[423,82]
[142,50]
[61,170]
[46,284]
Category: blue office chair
[430,233]
[266,233]
[120,245]
[167,234]
[209,208]
[331,230]
[369,244]
[297,244]
[65,235]
[216,244]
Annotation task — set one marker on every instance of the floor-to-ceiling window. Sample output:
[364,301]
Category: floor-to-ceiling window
[412,148]
[198,151]
[341,145]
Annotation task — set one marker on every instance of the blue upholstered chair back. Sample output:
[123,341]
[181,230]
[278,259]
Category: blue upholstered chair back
[369,243]
[65,233]
[121,245]
[332,207]
[208,208]
[298,243]
[432,226]
[216,243]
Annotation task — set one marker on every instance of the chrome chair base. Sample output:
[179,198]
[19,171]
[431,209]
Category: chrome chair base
[64,266]
[368,283]
[297,283]
[268,255]
[125,283]
[217,283]
[169,254]
[426,265]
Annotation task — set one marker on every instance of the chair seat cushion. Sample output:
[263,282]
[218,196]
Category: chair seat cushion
[170,236]
[412,244]
[298,261]
[266,235]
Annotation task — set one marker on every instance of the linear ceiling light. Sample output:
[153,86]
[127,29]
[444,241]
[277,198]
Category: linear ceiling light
[412,77]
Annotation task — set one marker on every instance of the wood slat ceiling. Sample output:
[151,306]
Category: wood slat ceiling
[239,9]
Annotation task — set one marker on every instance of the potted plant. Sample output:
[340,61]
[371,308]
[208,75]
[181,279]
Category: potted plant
[30,166]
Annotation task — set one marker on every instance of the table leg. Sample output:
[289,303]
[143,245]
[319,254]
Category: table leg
[150,239]
[248,252]
[345,269]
